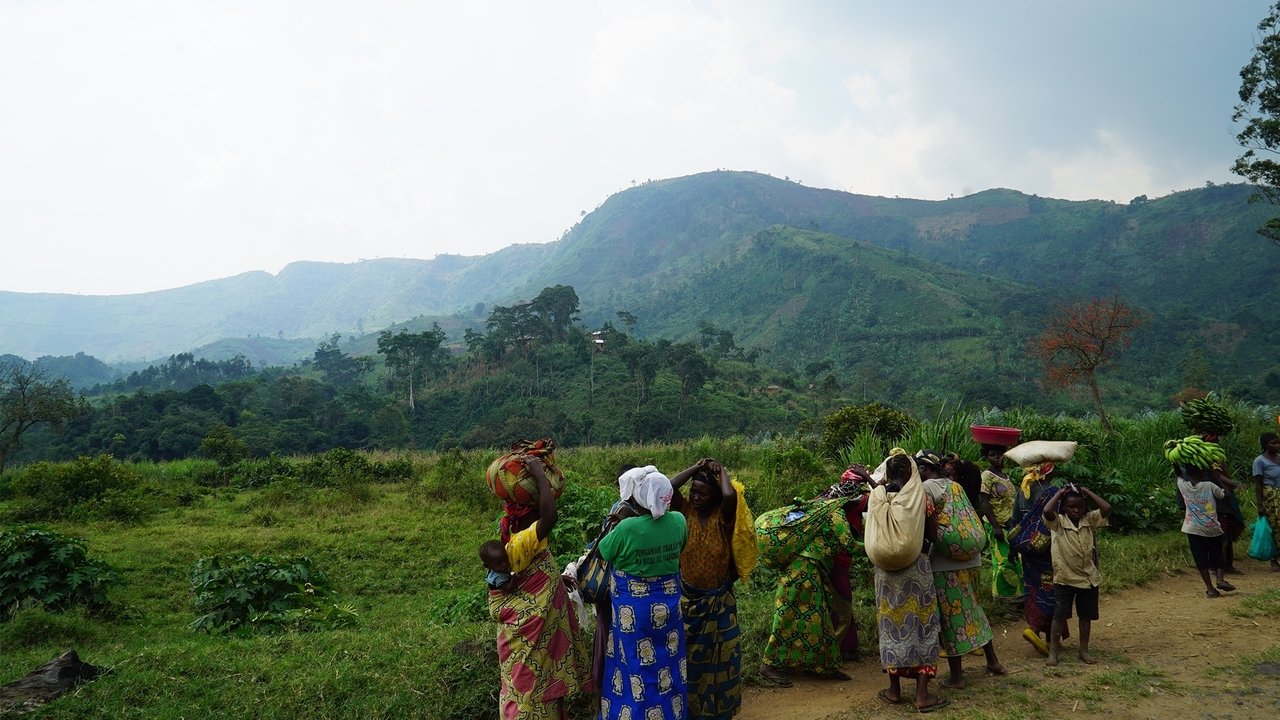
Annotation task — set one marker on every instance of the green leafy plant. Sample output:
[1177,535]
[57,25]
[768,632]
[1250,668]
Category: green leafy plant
[841,427]
[50,491]
[42,567]
[264,593]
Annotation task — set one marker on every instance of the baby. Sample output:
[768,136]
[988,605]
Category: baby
[493,555]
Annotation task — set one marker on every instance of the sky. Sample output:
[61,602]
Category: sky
[154,144]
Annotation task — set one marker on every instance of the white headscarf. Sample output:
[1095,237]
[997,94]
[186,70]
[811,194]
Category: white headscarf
[650,489]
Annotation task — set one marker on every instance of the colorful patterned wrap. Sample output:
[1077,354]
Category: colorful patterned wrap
[715,660]
[509,480]
[645,669]
[782,534]
[960,532]
[907,618]
[542,653]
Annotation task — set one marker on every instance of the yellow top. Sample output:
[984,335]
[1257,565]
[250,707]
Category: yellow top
[523,547]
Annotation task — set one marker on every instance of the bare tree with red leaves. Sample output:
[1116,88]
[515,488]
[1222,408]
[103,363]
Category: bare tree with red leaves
[1082,337]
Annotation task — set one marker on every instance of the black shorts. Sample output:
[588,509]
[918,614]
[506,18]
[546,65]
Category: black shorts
[1085,599]
[1207,552]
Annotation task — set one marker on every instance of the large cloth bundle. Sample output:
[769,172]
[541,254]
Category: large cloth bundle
[508,478]
[1035,452]
[960,532]
[783,533]
[895,525]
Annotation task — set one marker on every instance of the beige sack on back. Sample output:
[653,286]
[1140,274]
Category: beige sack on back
[894,532]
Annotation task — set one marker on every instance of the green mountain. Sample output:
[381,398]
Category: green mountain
[895,295]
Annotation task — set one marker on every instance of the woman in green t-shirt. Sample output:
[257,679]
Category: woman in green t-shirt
[644,663]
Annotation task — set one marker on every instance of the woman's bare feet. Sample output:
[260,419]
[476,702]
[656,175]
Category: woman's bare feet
[1086,658]
[997,669]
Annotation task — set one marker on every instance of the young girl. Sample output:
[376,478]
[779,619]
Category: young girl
[1204,532]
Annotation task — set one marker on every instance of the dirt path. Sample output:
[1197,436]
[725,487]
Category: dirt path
[1163,651]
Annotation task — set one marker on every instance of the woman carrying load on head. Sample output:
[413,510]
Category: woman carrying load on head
[721,549]
[1031,541]
[997,497]
[806,608]
[1266,479]
[906,599]
[542,653]
[964,625]
[644,660]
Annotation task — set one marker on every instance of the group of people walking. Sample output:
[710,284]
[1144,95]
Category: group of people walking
[667,634]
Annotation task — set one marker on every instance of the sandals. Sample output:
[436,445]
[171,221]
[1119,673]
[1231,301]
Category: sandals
[775,676]
[1212,593]
[1224,585]
[887,698]
[941,703]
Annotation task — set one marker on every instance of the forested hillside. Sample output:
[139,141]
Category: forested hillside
[912,301]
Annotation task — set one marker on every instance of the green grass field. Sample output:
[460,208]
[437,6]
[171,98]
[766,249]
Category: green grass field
[404,555]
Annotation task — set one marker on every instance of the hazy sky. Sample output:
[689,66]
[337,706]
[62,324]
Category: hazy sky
[148,145]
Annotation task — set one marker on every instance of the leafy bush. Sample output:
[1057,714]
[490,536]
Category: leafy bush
[250,593]
[51,491]
[841,427]
[579,512]
[223,447]
[260,472]
[43,567]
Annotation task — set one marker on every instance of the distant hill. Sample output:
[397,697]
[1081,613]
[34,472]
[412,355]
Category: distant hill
[305,300]
[801,274]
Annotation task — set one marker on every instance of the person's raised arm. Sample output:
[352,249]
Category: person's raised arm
[1050,510]
[1104,507]
[728,496]
[546,498]
[683,476]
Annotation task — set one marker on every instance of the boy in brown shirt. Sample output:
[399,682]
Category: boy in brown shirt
[1075,569]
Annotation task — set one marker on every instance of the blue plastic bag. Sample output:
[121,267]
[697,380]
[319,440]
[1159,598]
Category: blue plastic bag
[1263,546]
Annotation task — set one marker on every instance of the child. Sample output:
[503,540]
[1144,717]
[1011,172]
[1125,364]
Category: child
[1075,571]
[1202,527]
[504,562]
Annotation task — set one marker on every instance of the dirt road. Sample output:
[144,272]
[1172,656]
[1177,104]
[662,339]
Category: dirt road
[1163,651]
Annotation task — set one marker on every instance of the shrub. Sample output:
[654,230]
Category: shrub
[260,472]
[223,447]
[55,490]
[42,567]
[841,427]
[250,593]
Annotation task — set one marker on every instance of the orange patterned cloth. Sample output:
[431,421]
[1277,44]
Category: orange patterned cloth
[706,560]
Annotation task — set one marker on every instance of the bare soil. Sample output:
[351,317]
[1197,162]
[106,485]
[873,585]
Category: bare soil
[1163,651]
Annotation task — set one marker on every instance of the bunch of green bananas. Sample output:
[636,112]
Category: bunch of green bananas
[1206,415]
[1195,451]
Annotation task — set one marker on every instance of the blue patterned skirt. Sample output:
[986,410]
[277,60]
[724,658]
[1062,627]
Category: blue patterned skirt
[715,660]
[645,673]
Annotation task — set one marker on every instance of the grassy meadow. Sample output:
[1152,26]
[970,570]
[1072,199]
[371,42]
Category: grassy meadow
[402,551]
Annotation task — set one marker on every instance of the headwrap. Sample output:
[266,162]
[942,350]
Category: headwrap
[1032,475]
[648,487]
[510,513]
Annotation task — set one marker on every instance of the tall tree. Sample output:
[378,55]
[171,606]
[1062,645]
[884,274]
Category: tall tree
[412,356]
[555,307]
[692,368]
[28,397]
[1259,109]
[1080,338]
